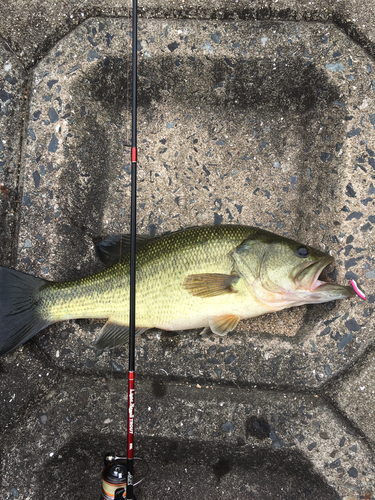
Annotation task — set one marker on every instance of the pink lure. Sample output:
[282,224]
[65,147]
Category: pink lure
[357,290]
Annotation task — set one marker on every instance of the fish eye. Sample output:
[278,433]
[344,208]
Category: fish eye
[303,252]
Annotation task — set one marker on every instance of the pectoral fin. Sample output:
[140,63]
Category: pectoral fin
[221,325]
[113,335]
[210,285]
[206,331]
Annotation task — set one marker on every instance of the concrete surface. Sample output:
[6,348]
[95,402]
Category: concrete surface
[249,112]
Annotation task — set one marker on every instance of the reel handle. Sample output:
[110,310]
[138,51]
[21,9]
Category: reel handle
[119,494]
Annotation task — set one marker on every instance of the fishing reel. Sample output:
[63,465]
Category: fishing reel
[114,477]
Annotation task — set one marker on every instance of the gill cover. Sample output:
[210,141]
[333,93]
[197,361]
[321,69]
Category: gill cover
[273,261]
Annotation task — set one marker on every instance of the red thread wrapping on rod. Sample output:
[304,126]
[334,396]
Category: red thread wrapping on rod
[134,155]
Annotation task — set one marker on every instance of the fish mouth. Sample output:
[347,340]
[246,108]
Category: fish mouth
[308,279]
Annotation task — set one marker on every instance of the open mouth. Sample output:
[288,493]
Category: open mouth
[312,276]
[321,273]
[308,277]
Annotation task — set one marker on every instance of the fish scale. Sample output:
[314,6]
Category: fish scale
[162,266]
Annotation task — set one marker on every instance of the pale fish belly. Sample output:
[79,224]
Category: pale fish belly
[196,312]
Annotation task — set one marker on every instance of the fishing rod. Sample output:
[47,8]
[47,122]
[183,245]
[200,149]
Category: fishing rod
[133,226]
[118,472]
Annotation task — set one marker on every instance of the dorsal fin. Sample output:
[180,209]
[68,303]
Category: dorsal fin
[115,246]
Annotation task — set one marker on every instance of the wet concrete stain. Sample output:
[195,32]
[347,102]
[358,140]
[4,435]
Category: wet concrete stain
[159,389]
[257,427]
[221,468]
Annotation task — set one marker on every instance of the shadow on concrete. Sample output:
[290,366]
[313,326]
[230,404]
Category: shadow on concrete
[193,471]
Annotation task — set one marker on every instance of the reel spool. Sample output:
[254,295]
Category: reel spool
[114,477]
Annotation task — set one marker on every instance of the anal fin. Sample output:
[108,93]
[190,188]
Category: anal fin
[113,335]
[221,325]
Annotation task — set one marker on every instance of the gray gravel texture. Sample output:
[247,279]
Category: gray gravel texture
[249,112]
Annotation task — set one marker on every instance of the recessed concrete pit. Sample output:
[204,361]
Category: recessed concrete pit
[260,123]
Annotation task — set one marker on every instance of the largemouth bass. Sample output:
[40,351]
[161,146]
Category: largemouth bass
[202,277]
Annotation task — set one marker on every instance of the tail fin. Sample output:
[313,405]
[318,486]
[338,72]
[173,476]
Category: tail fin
[19,320]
